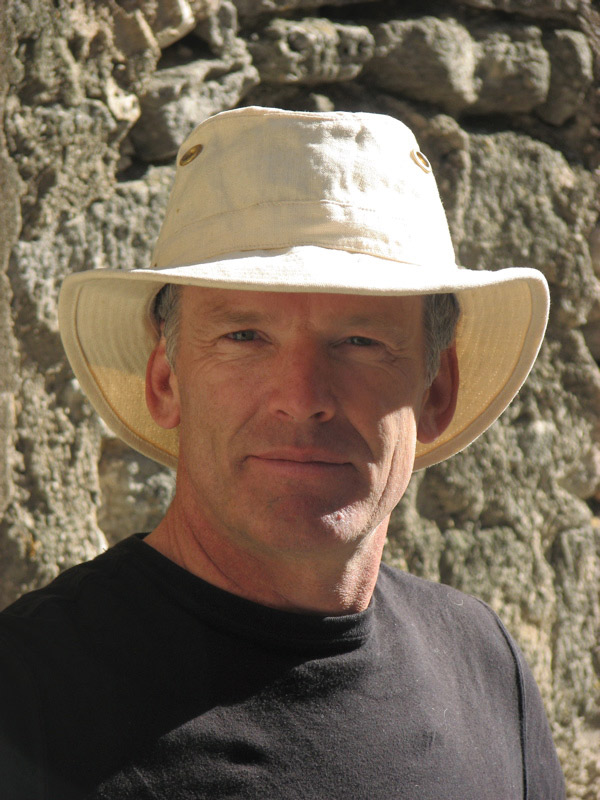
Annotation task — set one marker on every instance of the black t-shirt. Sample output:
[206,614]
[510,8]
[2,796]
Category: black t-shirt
[128,677]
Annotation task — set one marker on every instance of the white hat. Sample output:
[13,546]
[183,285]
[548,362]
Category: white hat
[273,200]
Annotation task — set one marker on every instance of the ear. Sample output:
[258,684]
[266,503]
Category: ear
[162,389]
[440,399]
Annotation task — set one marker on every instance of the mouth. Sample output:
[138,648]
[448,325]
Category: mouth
[315,466]
[303,456]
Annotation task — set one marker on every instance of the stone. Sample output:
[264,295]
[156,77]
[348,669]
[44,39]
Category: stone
[427,59]
[74,71]
[170,20]
[174,18]
[310,51]
[134,40]
[121,231]
[124,106]
[187,89]
[202,9]
[541,9]
[250,9]
[591,330]
[220,31]
[570,78]
[591,333]
[513,70]
[11,187]
[65,155]
[594,243]
[50,523]
[76,56]
[179,98]
[60,440]
[132,32]
[55,76]
[134,494]
[533,209]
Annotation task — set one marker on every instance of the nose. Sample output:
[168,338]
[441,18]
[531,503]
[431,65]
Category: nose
[302,387]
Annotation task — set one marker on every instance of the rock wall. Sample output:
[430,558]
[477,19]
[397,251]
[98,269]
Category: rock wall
[503,95]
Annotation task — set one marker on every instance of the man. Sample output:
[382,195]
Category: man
[294,352]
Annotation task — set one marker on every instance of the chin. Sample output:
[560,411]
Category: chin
[303,530]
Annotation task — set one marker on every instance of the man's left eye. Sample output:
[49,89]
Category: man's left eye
[242,336]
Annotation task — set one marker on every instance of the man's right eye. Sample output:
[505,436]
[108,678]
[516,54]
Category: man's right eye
[242,336]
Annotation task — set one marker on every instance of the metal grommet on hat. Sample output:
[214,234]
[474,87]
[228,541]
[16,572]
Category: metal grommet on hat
[420,160]
[190,154]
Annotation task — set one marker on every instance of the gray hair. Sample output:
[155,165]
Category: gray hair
[166,313]
[440,317]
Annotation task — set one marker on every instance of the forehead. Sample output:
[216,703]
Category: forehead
[206,305]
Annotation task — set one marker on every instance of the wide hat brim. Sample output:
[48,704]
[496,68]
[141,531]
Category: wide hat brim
[108,332]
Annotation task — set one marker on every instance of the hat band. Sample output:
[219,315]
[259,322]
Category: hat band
[280,225]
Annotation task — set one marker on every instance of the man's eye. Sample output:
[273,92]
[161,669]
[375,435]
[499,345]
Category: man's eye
[361,341]
[242,336]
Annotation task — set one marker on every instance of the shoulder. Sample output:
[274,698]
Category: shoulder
[465,628]
[466,642]
[103,572]
[438,607]
[58,645]
[458,636]
[43,625]
[454,637]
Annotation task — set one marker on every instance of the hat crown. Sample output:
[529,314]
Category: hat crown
[263,179]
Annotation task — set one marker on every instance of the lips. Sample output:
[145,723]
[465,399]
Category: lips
[303,456]
[315,465]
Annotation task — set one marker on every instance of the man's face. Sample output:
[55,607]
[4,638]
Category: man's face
[297,413]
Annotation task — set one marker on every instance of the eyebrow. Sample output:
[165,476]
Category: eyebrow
[223,313]
[378,323]
[369,321]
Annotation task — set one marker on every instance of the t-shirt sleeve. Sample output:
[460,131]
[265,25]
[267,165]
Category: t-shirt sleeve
[21,739]
[543,774]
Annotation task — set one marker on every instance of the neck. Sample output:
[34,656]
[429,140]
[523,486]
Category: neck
[338,581]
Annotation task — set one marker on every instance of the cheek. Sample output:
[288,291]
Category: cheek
[393,469]
[397,431]
[201,415]
[214,411]
[399,440]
